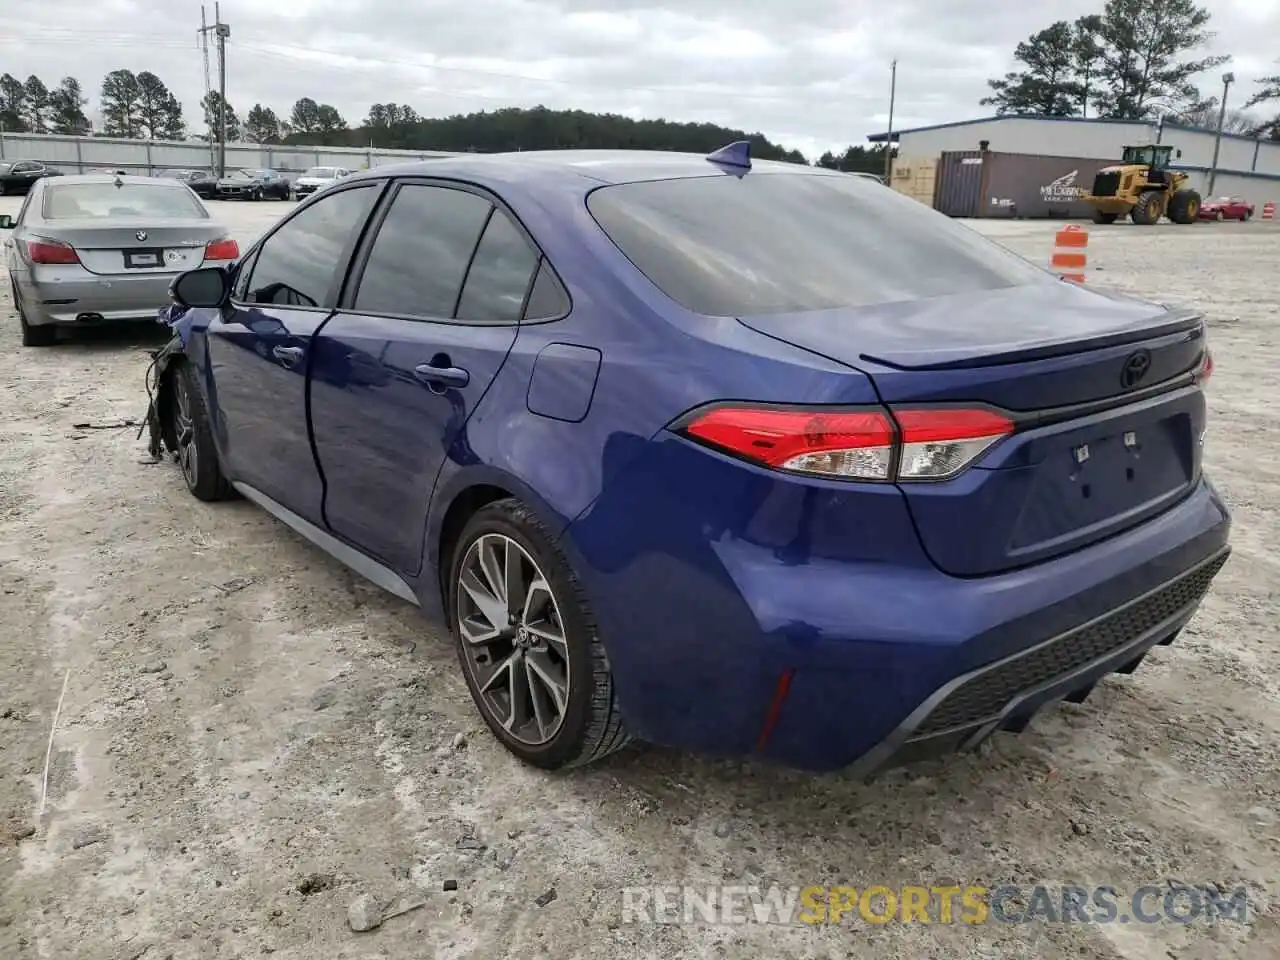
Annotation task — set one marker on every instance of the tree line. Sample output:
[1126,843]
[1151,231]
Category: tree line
[1136,60]
[141,106]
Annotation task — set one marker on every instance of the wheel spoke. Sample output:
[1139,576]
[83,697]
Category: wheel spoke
[550,677]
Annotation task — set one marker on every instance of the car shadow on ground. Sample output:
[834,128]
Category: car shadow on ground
[112,336]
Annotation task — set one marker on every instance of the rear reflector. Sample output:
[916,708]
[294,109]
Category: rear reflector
[224,249]
[51,251]
[910,445]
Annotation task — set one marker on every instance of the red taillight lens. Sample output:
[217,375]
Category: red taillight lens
[224,249]
[51,251]
[923,444]
[937,444]
[854,444]
[1205,370]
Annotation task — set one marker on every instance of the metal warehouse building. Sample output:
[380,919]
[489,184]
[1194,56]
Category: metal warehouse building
[1021,166]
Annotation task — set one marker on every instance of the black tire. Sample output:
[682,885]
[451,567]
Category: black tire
[39,335]
[1100,216]
[189,435]
[256,195]
[1147,210]
[590,727]
[1184,207]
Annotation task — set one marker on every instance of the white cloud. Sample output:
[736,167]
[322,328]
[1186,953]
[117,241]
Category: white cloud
[812,74]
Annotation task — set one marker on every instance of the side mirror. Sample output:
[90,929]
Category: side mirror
[206,287]
[6,222]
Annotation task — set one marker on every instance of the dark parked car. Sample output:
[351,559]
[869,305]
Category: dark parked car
[202,182]
[254,185]
[747,458]
[17,176]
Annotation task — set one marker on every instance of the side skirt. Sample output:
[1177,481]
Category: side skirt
[370,569]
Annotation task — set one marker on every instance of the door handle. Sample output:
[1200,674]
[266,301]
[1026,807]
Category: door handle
[441,376]
[287,355]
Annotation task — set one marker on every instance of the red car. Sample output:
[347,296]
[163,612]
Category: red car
[1226,208]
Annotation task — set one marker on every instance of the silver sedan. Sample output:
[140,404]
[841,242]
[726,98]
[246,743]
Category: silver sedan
[87,249]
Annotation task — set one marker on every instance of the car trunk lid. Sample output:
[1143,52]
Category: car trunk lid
[1101,445]
[138,246]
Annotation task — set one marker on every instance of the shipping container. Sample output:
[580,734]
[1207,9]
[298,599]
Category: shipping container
[915,177]
[976,184]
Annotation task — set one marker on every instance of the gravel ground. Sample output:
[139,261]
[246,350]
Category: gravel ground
[251,739]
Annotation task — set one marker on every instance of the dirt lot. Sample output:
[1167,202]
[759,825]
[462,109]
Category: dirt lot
[250,737]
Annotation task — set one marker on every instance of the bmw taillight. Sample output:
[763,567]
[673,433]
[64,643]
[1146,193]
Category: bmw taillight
[904,445]
[222,249]
[51,251]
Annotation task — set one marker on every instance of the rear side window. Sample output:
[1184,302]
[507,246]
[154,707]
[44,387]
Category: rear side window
[296,266]
[77,201]
[769,243]
[419,259]
[547,300]
[500,274]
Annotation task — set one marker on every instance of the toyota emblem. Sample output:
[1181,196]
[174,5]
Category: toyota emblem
[141,235]
[1134,369]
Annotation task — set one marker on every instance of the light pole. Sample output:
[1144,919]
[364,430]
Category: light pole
[1227,80]
[888,143]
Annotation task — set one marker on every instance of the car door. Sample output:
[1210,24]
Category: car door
[436,296]
[25,173]
[259,348]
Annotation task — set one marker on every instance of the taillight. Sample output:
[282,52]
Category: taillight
[51,251]
[224,249]
[1205,370]
[912,444]
[937,444]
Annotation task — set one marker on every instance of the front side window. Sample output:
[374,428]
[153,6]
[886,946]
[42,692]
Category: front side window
[419,259]
[770,243]
[79,201]
[297,265]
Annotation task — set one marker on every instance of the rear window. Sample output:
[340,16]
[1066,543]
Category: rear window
[769,243]
[322,172]
[74,201]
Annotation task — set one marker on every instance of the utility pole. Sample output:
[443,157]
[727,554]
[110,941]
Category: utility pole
[221,31]
[208,87]
[888,143]
[1227,80]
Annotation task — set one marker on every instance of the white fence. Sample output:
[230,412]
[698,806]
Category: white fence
[81,154]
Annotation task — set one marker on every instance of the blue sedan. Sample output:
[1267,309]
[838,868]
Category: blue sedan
[745,458]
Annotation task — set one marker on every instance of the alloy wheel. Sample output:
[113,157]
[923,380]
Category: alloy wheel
[513,638]
[185,434]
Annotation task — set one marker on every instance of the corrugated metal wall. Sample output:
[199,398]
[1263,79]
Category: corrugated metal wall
[1020,185]
[78,154]
[959,186]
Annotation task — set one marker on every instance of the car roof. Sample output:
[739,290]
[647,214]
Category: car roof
[106,178]
[590,168]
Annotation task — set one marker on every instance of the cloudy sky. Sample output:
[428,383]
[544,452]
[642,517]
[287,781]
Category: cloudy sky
[811,74]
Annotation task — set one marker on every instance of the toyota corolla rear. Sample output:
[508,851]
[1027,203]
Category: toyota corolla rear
[923,489]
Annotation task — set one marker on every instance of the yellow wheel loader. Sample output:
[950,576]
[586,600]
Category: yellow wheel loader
[1143,188]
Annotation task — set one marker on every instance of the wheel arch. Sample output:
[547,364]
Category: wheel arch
[455,501]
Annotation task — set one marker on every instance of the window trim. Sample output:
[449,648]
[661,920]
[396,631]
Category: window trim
[345,259]
[360,256]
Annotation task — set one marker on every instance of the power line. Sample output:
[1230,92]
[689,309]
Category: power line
[277,50]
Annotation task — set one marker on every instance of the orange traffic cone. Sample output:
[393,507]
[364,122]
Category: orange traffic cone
[1268,211]
[1069,256]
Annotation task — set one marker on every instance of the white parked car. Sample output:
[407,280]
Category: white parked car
[316,179]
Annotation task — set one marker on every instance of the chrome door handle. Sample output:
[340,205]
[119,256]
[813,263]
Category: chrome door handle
[442,376]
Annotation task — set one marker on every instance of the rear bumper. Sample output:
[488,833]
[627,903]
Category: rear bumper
[79,298]
[746,615]
[1006,694]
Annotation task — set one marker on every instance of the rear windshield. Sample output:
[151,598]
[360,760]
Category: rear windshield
[769,243]
[321,172]
[73,201]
